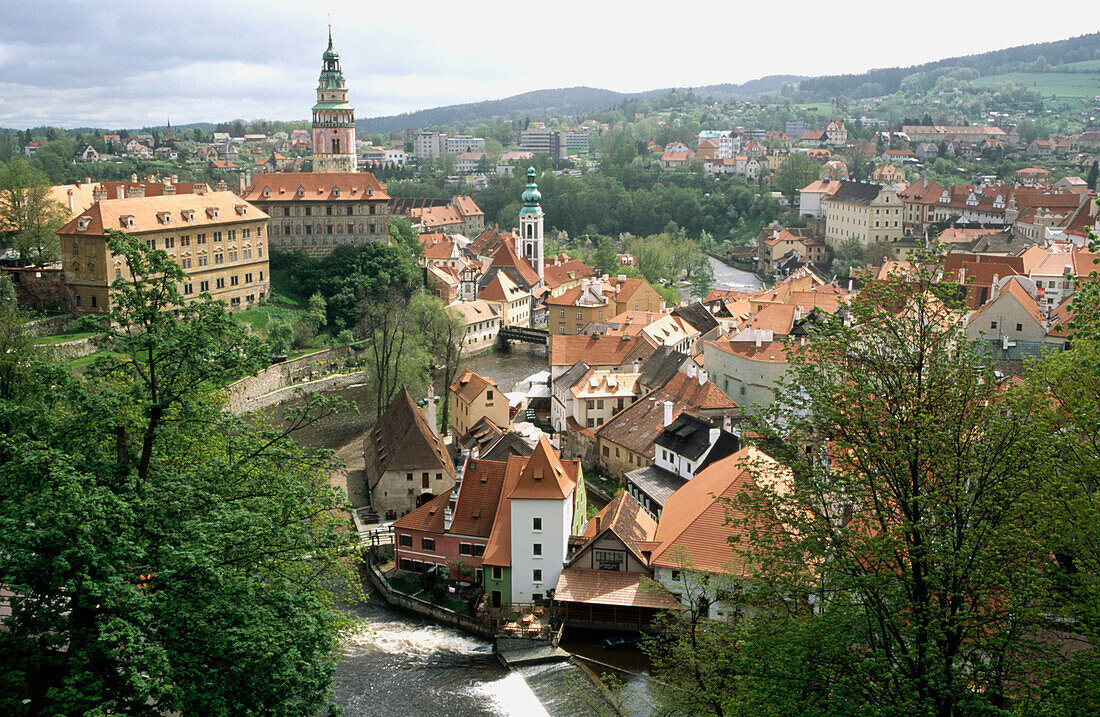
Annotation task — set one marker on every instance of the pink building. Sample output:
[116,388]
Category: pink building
[455,525]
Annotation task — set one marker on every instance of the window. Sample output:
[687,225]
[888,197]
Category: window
[219,283]
[536,524]
[408,476]
[428,544]
[151,243]
[465,549]
[233,280]
[188,289]
[479,550]
[497,572]
[1019,327]
[561,314]
[204,286]
[610,559]
[992,324]
[219,258]
[118,273]
[169,242]
[590,404]
[536,549]
[185,262]
[248,278]
[406,541]
[200,238]
[217,236]
[675,574]
[93,300]
[232,256]
[536,576]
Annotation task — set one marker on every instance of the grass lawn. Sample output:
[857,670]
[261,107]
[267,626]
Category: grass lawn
[822,108]
[1060,84]
[62,338]
[261,318]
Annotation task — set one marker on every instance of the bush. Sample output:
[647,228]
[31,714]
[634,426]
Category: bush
[303,334]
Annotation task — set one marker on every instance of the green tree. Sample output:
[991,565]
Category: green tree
[1093,175]
[317,310]
[441,333]
[161,554]
[910,520]
[795,172]
[30,214]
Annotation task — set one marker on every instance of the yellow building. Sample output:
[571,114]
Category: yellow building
[216,237]
[599,300]
[513,304]
[868,213]
[474,397]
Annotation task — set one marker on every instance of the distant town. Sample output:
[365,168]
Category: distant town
[687,455]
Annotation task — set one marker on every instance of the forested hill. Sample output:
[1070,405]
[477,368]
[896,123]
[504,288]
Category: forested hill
[569,100]
[874,83]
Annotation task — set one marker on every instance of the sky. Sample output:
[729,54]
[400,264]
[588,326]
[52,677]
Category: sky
[116,64]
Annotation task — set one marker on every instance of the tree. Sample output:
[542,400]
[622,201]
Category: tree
[848,254]
[605,260]
[795,172]
[162,554]
[30,213]
[1094,174]
[317,310]
[910,521]
[441,332]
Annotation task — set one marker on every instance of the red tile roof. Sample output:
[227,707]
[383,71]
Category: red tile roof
[469,385]
[612,587]
[317,187]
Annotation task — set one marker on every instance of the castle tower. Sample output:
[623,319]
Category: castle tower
[333,118]
[530,225]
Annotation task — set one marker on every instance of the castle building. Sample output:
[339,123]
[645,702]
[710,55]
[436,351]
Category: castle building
[333,118]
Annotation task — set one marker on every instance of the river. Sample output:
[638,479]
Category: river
[726,277]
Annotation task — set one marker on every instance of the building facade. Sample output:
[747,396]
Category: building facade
[217,239]
[316,212]
[333,118]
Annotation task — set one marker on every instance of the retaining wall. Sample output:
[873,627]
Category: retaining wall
[250,392]
[423,607]
[73,349]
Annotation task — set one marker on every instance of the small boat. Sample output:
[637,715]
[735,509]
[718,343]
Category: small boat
[630,641]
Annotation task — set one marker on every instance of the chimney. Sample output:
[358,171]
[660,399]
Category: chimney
[702,377]
[70,197]
[996,280]
[757,335]
[133,177]
[691,370]
[431,411]
[597,519]
[121,191]
[668,412]
[87,180]
[962,275]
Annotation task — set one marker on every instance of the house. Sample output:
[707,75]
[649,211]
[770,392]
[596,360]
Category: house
[406,463]
[747,366]
[482,321]
[1033,175]
[87,153]
[599,394]
[561,395]
[868,213]
[813,138]
[774,244]
[564,273]
[606,583]
[692,556]
[455,526]
[836,133]
[888,174]
[628,440]
[919,201]
[543,502]
[810,197]
[512,304]
[676,160]
[473,398]
[1011,323]
[927,152]
[613,353]
[598,299]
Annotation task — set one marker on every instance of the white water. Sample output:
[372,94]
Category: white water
[510,696]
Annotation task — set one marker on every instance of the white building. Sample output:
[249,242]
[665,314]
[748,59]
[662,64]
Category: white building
[464,143]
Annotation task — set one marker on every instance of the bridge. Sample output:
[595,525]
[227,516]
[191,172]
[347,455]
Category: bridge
[524,334]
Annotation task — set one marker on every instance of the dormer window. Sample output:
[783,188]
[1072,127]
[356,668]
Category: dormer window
[164,217]
[242,209]
[370,192]
[187,214]
[945,197]
[212,212]
[127,221]
[82,223]
[267,191]
[301,191]
[335,191]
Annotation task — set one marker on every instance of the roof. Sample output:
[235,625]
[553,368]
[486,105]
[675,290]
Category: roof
[697,316]
[402,439]
[826,186]
[506,257]
[428,518]
[627,520]
[612,587]
[502,289]
[545,476]
[316,187]
[510,444]
[687,435]
[474,311]
[656,482]
[771,352]
[554,275]
[498,549]
[596,350]
[1012,287]
[855,193]
[478,497]
[210,209]
[604,383]
[694,530]
[661,366]
[469,385]
[575,373]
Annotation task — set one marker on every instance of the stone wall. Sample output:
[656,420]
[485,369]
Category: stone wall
[39,287]
[423,607]
[245,395]
[73,349]
[48,326]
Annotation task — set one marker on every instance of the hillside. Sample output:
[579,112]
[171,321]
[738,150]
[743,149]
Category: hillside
[1043,58]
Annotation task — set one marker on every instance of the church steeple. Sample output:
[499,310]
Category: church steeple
[333,118]
[530,225]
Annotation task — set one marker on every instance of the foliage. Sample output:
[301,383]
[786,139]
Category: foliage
[441,332]
[29,213]
[163,555]
[795,172]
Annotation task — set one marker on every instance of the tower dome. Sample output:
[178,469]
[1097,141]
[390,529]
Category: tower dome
[333,118]
[531,195]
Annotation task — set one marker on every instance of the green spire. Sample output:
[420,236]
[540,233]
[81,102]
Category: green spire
[531,196]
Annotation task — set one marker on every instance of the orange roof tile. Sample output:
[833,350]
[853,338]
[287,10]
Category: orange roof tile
[469,385]
[183,211]
[544,477]
[612,587]
[316,187]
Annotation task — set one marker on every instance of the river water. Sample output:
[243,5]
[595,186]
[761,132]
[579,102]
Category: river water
[726,277]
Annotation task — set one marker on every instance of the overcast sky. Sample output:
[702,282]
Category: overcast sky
[109,63]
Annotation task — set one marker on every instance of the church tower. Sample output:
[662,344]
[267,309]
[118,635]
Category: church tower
[530,225]
[333,118]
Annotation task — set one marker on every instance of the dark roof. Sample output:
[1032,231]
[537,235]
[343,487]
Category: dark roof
[726,445]
[402,439]
[687,436]
[1006,241]
[402,205]
[655,482]
[661,366]
[575,373]
[509,444]
[697,315]
[855,193]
